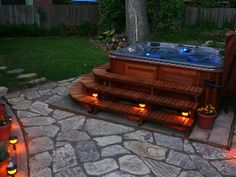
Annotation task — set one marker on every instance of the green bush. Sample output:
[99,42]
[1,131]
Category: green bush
[61,2]
[171,12]
[13,30]
[112,15]
[153,9]
[87,29]
[17,30]
[165,12]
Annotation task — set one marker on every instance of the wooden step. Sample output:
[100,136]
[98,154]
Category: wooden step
[102,73]
[125,109]
[183,105]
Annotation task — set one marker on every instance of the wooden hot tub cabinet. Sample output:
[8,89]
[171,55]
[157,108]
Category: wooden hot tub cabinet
[186,75]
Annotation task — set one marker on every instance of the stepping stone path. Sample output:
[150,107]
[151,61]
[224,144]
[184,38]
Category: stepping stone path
[15,71]
[37,81]
[26,76]
[62,144]
[3,68]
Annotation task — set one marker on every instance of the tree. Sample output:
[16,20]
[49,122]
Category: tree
[137,27]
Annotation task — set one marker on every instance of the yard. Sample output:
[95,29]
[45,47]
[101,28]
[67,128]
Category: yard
[58,58]
[55,58]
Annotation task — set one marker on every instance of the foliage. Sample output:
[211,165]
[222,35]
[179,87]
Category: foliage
[205,3]
[61,2]
[107,35]
[87,29]
[153,15]
[4,154]
[112,15]
[171,12]
[207,110]
[4,122]
[15,30]
[82,29]
[196,35]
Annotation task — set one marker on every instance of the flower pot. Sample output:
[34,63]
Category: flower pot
[5,132]
[3,168]
[206,121]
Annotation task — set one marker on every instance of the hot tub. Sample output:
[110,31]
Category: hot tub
[184,64]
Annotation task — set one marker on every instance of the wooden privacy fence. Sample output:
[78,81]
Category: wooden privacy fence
[217,16]
[49,16]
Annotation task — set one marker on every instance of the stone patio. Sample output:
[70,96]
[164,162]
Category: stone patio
[63,144]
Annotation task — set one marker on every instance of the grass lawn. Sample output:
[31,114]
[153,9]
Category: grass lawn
[55,58]
[58,58]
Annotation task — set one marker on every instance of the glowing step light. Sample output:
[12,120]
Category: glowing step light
[185,114]
[141,105]
[95,95]
[13,141]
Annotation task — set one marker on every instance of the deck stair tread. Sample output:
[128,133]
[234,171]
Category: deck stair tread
[175,103]
[155,116]
[102,73]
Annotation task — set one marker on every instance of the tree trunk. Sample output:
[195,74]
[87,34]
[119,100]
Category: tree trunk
[137,28]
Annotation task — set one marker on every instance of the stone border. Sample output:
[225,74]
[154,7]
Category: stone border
[21,147]
[230,141]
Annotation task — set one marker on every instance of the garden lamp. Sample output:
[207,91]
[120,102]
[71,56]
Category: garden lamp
[11,169]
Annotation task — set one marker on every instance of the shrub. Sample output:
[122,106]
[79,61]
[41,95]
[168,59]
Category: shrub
[112,15]
[16,30]
[171,12]
[13,30]
[4,154]
[61,2]
[153,9]
[87,29]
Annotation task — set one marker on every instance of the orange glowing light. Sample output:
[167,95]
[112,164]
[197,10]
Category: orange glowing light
[185,114]
[13,140]
[11,168]
[141,105]
[95,95]
[12,172]
[142,109]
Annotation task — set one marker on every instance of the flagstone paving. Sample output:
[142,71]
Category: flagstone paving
[62,144]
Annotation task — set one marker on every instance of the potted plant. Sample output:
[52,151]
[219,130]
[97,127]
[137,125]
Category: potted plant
[5,126]
[206,117]
[4,156]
